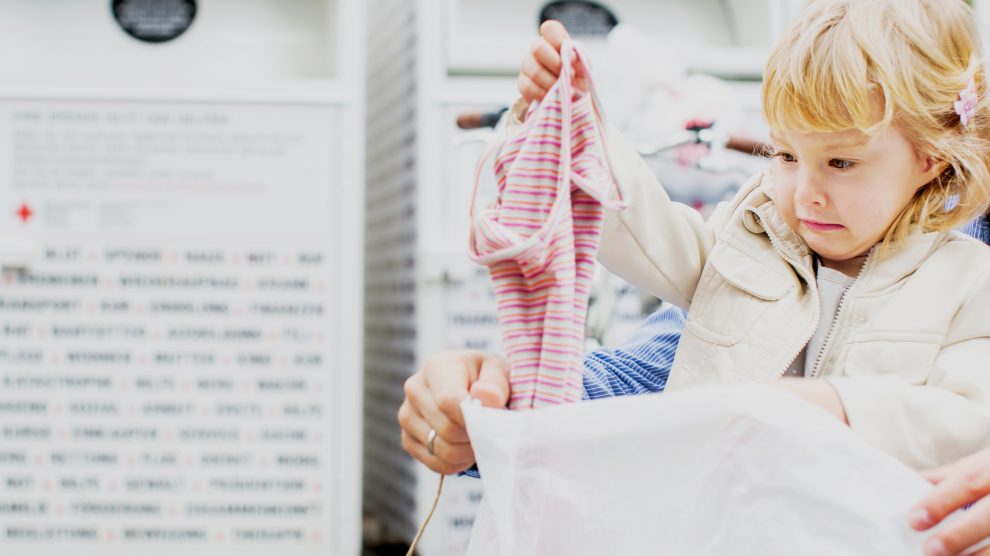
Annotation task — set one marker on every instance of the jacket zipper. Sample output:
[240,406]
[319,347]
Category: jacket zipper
[838,314]
[802,270]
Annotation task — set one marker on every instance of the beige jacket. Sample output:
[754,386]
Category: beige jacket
[908,352]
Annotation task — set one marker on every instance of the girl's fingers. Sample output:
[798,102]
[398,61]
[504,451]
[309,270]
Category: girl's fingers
[547,55]
[554,33]
[541,68]
[546,51]
[581,85]
[580,78]
[538,74]
[529,90]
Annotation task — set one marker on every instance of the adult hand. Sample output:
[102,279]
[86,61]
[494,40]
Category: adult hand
[433,401]
[541,65]
[956,485]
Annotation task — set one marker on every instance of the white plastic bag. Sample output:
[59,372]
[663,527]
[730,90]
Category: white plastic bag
[722,469]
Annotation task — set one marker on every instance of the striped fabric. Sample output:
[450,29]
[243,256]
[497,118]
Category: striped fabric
[641,364]
[540,237]
[979,228]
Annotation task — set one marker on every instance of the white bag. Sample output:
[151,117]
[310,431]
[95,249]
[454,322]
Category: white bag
[719,469]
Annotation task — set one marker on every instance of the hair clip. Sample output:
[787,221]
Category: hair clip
[966,105]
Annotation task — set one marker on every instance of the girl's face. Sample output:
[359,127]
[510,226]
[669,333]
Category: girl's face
[841,191]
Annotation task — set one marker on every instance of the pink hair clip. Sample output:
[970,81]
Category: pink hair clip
[966,105]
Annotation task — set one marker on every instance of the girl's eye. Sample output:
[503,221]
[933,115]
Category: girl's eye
[786,157]
[840,163]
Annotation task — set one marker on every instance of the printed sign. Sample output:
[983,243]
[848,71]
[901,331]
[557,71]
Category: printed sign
[167,362]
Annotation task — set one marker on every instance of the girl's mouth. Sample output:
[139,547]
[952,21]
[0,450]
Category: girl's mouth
[821,226]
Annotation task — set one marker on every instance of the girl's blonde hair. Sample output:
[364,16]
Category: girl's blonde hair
[866,64]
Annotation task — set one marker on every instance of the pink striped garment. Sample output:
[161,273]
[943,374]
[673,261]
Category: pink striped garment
[540,236]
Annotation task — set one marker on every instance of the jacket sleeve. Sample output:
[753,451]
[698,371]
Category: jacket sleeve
[655,244]
[947,418]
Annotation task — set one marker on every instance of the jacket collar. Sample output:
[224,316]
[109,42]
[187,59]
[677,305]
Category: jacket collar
[760,216]
[902,259]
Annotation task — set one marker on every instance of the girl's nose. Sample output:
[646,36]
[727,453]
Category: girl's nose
[808,190]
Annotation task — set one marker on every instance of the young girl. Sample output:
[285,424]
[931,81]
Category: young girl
[839,262]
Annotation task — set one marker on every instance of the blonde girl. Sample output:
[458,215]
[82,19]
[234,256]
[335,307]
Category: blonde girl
[835,273]
[838,264]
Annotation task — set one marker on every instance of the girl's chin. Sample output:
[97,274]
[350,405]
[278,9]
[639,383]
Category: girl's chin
[827,250]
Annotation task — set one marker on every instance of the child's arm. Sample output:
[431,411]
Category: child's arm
[943,420]
[818,392]
[655,244]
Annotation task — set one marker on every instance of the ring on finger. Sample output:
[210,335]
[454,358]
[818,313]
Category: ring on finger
[431,439]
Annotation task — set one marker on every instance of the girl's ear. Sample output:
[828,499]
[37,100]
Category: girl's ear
[931,168]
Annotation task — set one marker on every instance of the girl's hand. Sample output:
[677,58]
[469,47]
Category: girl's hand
[818,392]
[541,66]
[957,484]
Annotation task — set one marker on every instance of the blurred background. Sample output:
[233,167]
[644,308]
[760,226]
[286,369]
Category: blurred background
[231,229]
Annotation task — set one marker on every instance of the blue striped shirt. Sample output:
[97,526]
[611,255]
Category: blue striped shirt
[979,228]
[642,363]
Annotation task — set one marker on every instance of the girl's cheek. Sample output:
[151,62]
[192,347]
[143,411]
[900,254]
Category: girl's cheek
[782,189]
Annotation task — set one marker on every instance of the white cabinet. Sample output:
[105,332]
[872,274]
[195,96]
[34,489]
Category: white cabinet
[182,297]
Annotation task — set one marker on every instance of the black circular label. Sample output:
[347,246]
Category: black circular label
[581,17]
[154,20]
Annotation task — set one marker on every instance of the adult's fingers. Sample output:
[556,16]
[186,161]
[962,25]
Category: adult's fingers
[965,531]
[963,483]
[935,476]
[448,377]
[420,399]
[447,457]
[492,386]
[418,450]
[939,474]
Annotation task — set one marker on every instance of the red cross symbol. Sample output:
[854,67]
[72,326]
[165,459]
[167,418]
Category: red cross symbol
[25,212]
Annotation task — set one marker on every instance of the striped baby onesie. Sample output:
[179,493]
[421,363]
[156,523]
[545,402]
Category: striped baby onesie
[540,236]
